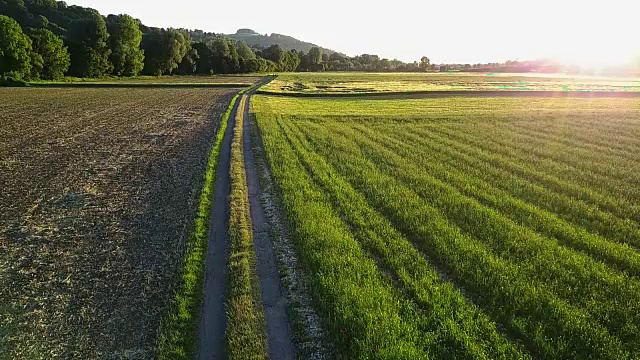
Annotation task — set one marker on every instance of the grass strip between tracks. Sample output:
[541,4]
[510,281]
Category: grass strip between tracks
[246,328]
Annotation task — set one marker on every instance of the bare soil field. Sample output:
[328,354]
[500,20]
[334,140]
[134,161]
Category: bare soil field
[100,188]
[183,79]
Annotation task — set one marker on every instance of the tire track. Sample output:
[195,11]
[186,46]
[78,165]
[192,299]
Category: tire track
[275,305]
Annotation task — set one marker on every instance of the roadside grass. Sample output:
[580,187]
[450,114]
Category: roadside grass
[178,332]
[246,328]
[353,83]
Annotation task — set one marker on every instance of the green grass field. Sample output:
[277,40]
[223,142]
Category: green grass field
[338,83]
[461,227]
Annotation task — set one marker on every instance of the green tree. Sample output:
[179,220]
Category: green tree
[274,53]
[124,41]
[224,58]
[15,50]
[203,63]
[37,64]
[304,60]
[256,65]
[189,64]
[233,61]
[315,56]
[88,45]
[54,55]
[244,51]
[290,61]
[164,50]
[384,64]
[337,57]
[425,63]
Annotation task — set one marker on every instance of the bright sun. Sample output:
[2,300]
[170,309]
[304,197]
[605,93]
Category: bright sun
[592,36]
[590,57]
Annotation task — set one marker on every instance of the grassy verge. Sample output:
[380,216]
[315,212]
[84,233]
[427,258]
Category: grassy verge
[246,332]
[178,333]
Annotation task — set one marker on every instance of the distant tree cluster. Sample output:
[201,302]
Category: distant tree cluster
[317,61]
[45,39]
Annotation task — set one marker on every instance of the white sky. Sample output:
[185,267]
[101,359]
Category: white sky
[590,32]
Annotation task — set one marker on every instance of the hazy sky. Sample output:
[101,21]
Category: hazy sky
[464,31]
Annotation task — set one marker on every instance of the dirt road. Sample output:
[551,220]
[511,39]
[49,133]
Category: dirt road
[211,334]
[211,331]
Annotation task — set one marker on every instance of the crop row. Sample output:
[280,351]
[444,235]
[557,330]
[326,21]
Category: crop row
[455,325]
[481,247]
[582,206]
[573,276]
[541,264]
[575,185]
[460,176]
[361,313]
[614,173]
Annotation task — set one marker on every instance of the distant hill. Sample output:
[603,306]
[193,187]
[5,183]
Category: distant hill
[253,39]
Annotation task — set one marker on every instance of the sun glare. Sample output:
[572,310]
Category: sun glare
[591,57]
[591,36]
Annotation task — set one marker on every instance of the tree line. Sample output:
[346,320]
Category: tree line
[45,39]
